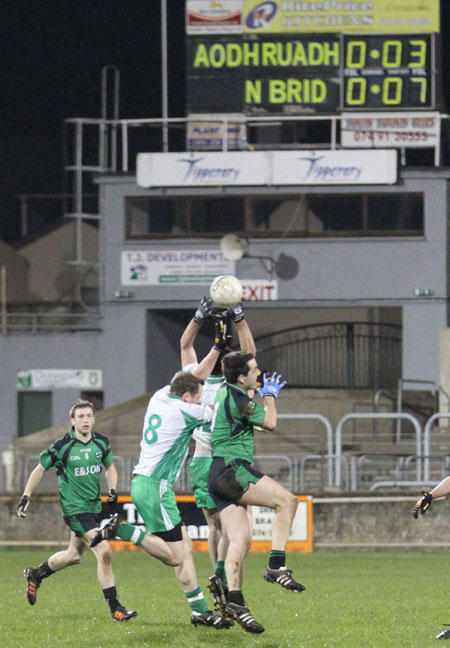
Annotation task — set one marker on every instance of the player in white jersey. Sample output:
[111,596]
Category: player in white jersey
[172,415]
[202,459]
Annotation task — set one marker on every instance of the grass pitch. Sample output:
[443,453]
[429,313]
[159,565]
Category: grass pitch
[352,600]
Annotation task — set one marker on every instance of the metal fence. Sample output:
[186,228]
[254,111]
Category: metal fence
[352,458]
[350,355]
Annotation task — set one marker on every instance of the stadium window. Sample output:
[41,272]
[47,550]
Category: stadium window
[396,212]
[338,213]
[300,215]
[145,216]
[217,215]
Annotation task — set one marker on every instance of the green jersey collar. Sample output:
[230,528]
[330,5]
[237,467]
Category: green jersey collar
[174,396]
[215,379]
[244,391]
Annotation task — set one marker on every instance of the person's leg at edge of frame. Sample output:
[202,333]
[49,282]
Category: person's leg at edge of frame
[105,575]
[268,492]
[73,555]
[236,525]
[217,544]
[187,577]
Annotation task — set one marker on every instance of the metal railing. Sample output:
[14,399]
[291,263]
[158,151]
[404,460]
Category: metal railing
[336,469]
[372,416]
[350,355]
[51,322]
[329,433]
[427,441]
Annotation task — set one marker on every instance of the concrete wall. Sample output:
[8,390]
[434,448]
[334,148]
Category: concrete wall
[353,522]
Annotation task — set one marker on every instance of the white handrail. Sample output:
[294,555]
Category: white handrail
[373,416]
[426,441]
[329,430]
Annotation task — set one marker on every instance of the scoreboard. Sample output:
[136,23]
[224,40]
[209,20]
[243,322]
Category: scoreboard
[385,72]
[351,56]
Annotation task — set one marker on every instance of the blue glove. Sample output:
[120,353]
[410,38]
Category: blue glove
[272,385]
[237,313]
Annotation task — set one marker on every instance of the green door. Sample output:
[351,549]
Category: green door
[34,411]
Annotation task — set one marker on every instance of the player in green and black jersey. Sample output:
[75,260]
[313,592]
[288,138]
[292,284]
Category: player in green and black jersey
[235,484]
[79,458]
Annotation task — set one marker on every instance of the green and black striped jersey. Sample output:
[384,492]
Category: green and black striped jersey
[78,468]
[235,414]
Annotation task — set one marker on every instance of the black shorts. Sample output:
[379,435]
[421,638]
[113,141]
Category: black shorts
[173,535]
[81,523]
[228,481]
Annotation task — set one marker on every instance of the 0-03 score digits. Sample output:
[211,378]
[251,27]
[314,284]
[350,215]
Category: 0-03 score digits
[388,53]
[385,72]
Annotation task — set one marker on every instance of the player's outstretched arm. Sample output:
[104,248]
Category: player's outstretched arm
[424,502]
[203,312]
[246,341]
[32,483]
[221,341]
[111,480]
[271,386]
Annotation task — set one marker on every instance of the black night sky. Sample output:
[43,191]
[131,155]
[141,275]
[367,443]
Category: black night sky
[52,55]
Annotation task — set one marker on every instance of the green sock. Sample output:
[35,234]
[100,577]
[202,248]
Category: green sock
[196,600]
[277,559]
[131,533]
[220,572]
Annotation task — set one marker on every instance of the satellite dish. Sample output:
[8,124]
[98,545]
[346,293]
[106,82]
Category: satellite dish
[232,247]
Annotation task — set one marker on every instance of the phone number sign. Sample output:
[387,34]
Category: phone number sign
[400,130]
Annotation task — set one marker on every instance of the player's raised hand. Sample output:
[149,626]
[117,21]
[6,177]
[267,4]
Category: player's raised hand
[237,312]
[271,385]
[204,310]
[222,335]
[22,506]
[422,504]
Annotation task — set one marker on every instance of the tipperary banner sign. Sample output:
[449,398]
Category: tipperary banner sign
[267,168]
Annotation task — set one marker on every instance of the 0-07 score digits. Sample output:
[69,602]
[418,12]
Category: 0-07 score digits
[387,91]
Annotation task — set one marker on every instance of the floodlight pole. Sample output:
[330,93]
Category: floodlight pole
[165,111]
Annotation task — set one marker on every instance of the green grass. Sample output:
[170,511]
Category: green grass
[353,600]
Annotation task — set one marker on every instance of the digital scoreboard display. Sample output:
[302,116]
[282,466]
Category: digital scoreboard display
[320,73]
[294,57]
[387,73]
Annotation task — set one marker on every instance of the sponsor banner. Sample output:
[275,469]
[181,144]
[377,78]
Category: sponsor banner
[300,538]
[60,379]
[172,267]
[205,169]
[400,130]
[334,167]
[356,17]
[262,523]
[214,17]
[259,290]
[209,135]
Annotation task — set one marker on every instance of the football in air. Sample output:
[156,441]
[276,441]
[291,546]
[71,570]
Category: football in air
[226,290]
